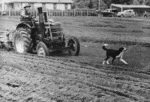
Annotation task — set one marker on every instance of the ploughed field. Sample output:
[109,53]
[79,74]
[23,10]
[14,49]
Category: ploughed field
[64,78]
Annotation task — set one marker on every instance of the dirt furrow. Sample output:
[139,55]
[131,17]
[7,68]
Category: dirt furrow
[80,80]
[62,65]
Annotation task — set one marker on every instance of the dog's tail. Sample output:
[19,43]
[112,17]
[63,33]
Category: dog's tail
[104,46]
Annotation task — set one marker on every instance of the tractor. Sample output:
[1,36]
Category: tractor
[43,37]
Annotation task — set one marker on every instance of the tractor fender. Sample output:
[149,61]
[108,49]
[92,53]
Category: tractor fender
[23,24]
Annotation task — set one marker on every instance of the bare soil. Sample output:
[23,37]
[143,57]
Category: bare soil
[64,78]
[28,78]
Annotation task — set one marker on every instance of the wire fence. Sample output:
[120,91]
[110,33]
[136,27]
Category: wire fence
[85,12]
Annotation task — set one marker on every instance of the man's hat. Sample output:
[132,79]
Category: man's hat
[26,5]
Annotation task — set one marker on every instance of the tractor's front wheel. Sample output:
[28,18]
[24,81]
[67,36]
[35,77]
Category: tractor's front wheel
[22,41]
[74,45]
[42,49]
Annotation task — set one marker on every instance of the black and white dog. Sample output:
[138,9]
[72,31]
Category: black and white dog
[114,54]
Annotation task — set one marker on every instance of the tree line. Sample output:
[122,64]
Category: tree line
[94,4]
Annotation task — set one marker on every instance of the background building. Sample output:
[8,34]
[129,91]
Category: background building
[48,4]
[136,8]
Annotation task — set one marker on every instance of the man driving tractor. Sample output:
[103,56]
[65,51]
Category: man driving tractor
[25,13]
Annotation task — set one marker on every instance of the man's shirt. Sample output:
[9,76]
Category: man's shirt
[25,15]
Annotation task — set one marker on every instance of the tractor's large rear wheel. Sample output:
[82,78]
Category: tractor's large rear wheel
[74,45]
[22,41]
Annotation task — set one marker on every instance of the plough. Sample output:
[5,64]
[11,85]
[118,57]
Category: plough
[6,39]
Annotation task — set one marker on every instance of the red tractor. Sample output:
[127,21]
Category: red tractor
[43,37]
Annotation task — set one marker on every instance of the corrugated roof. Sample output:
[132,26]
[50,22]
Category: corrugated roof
[39,1]
[130,6]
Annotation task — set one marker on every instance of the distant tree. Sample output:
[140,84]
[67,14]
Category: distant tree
[107,2]
[147,2]
[82,3]
[122,1]
[139,2]
[135,2]
[90,5]
[94,4]
[73,6]
[127,1]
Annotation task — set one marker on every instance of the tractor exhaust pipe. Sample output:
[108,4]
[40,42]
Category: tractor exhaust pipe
[41,23]
[45,16]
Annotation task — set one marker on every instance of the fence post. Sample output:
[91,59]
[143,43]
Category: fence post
[74,12]
[9,12]
[15,12]
[48,12]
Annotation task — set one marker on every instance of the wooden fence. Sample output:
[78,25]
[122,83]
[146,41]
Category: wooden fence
[86,12]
